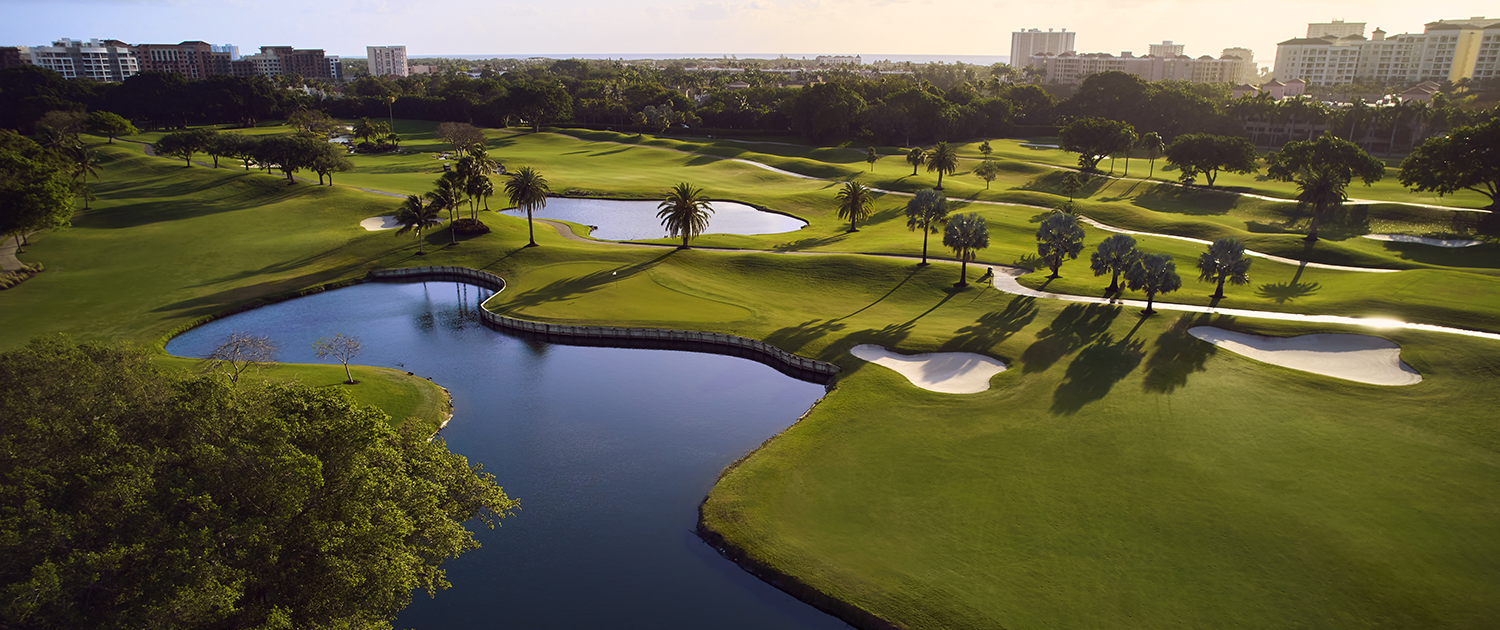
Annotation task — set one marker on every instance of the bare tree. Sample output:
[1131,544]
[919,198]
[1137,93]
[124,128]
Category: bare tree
[462,136]
[340,347]
[240,352]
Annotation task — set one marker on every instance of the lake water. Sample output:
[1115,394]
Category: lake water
[609,450]
[636,220]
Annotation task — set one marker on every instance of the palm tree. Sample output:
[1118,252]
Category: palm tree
[966,234]
[916,157]
[1395,113]
[1127,144]
[448,196]
[943,160]
[1224,260]
[871,156]
[1321,189]
[417,216]
[1154,149]
[1155,273]
[527,190]
[1114,255]
[927,210]
[390,109]
[684,212]
[85,163]
[855,203]
[1059,237]
[364,129]
[483,188]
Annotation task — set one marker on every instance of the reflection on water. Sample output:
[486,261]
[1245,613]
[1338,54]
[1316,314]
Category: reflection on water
[608,449]
[636,220]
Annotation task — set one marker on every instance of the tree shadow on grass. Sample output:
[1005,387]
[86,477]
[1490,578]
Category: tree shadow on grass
[1284,292]
[883,297]
[993,327]
[793,338]
[809,243]
[1095,371]
[1179,354]
[1077,325]
[216,303]
[1178,200]
[569,288]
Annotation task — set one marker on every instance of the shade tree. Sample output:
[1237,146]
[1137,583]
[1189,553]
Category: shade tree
[1322,169]
[916,157]
[1224,261]
[1204,154]
[110,125]
[1153,274]
[1466,159]
[1092,139]
[1113,256]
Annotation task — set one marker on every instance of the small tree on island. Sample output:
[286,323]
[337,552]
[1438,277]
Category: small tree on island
[1224,261]
[1155,273]
[341,348]
[966,234]
[240,352]
[926,211]
[1059,238]
[1114,255]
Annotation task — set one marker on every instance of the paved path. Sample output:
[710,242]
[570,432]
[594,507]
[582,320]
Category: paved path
[8,260]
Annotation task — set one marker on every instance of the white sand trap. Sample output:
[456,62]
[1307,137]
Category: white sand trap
[945,372]
[1359,358]
[376,224]
[1437,242]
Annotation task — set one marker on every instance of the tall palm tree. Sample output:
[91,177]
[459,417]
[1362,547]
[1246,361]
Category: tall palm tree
[1394,113]
[927,210]
[483,188]
[1155,147]
[527,190]
[1114,255]
[448,196]
[1322,189]
[871,156]
[916,157]
[415,215]
[1155,273]
[364,129]
[944,159]
[85,163]
[855,203]
[684,212]
[1128,139]
[966,234]
[1224,260]
[1421,112]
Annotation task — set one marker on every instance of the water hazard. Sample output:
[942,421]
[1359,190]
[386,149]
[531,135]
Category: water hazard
[636,220]
[609,450]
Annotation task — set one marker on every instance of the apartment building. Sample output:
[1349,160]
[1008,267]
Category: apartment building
[193,60]
[1336,28]
[274,61]
[387,61]
[1165,49]
[1026,44]
[12,56]
[1072,68]
[108,60]
[1446,50]
[839,60]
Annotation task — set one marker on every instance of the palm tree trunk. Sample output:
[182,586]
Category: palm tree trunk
[1114,281]
[963,271]
[419,242]
[530,231]
[452,234]
[1150,299]
[1219,292]
[1127,168]
[924,246]
[1312,231]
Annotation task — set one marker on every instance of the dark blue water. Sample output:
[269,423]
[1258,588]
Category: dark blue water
[636,220]
[609,450]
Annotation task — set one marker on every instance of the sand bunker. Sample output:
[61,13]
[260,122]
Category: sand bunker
[1437,242]
[376,224]
[1359,358]
[945,372]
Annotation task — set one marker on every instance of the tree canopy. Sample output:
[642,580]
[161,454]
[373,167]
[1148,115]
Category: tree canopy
[1093,139]
[1058,238]
[34,195]
[1204,154]
[139,498]
[1467,159]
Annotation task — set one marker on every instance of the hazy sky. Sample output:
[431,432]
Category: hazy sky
[871,28]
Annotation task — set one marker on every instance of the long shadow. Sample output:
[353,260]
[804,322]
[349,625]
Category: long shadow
[1178,200]
[1075,326]
[1095,371]
[882,298]
[793,338]
[217,302]
[994,327]
[1179,354]
[569,288]
[809,243]
[1284,292]
[948,295]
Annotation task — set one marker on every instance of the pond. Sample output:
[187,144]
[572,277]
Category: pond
[609,450]
[617,220]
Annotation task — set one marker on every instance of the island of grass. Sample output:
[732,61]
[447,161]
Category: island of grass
[1121,473]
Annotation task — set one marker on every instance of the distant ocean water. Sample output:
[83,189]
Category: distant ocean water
[978,60]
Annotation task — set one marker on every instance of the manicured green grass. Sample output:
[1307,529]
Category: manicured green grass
[1120,475]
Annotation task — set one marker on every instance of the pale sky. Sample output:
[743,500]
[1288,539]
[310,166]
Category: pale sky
[870,28]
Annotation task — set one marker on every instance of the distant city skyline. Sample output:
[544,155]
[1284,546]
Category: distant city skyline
[874,29]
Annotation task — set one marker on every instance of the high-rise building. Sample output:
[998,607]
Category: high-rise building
[278,60]
[1165,49]
[1336,28]
[335,68]
[193,60]
[12,56]
[1027,43]
[387,60]
[1247,71]
[107,60]
[1071,67]
[1446,50]
[234,51]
